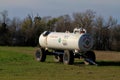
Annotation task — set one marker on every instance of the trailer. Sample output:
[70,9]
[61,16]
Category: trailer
[66,46]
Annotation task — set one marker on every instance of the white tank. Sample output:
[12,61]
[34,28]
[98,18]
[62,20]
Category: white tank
[62,41]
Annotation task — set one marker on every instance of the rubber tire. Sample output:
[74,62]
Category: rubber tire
[68,57]
[90,55]
[58,58]
[40,55]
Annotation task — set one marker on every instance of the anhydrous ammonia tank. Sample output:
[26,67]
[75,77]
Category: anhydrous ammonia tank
[69,41]
[66,46]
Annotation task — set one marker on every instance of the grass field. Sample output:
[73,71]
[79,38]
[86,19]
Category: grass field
[18,63]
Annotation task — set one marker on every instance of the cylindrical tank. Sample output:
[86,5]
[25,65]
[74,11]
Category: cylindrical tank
[70,41]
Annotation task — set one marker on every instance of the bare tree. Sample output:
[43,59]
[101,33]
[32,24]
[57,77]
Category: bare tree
[103,36]
[52,24]
[4,31]
[85,19]
[4,15]
[64,23]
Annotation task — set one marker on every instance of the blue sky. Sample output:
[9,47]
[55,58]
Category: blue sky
[55,8]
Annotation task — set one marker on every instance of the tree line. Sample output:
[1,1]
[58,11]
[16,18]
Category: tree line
[26,32]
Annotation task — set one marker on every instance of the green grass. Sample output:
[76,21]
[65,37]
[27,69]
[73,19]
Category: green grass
[18,63]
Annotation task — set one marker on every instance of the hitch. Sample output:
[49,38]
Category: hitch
[90,61]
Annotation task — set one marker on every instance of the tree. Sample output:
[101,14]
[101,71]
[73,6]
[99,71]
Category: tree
[116,38]
[103,35]
[64,23]
[85,19]
[110,24]
[99,23]
[27,30]
[39,27]
[52,24]
[4,31]
[14,28]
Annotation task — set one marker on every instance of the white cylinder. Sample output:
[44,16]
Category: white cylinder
[62,41]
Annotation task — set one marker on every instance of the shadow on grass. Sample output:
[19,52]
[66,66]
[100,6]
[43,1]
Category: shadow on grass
[101,63]
[108,63]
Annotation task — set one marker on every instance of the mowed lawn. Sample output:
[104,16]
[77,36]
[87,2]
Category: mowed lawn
[18,63]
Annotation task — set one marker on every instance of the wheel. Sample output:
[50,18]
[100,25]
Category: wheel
[90,58]
[68,57]
[40,55]
[58,58]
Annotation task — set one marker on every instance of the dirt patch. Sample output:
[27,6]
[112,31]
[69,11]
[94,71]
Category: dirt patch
[107,55]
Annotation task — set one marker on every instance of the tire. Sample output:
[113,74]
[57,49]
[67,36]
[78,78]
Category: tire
[68,57]
[40,55]
[58,58]
[91,56]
